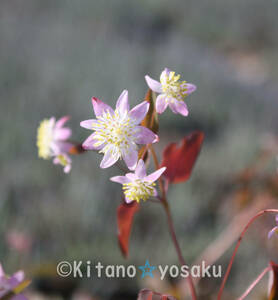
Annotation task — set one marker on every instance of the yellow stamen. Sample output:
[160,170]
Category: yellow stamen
[115,131]
[45,138]
[139,190]
[172,87]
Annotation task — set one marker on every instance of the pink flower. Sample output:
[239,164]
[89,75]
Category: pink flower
[19,241]
[172,92]
[274,229]
[118,132]
[138,185]
[52,141]
[8,284]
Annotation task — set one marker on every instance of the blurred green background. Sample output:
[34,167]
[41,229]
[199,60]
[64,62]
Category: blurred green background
[55,55]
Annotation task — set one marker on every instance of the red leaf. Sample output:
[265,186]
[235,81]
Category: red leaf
[180,160]
[273,282]
[125,214]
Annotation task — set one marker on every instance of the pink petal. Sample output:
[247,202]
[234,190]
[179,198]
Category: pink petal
[61,122]
[155,175]
[108,160]
[18,297]
[131,176]
[127,200]
[155,193]
[140,170]
[2,273]
[179,107]
[167,71]
[272,231]
[62,133]
[64,147]
[130,157]
[276,219]
[153,84]
[122,103]
[88,123]
[100,107]
[67,169]
[161,103]
[89,143]
[19,276]
[139,112]
[120,179]
[190,88]
[144,135]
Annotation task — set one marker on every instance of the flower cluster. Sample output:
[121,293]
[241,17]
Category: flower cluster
[52,141]
[117,134]
[172,92]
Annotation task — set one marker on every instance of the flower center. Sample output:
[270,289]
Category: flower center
[63,160]
[172,87]
[44,138]
[138,190]
[116,131]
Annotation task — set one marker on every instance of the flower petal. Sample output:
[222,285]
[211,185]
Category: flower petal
[2,273]
[144,135]
[131,176]
[127,200]
[88,123]
[62,133]
[161,103]
[130,157]
[62,147]
[108,160]
[61,122]
[122,103]
[179,107]
[155,175]
[120,179]
[139,112]
[276,219]
[272,231]
[140,170]
[100,107]
[18,297]
[190,88]
[19,276]
[153,84]
[89,143]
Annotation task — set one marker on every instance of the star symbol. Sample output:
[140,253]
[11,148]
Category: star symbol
[147,269]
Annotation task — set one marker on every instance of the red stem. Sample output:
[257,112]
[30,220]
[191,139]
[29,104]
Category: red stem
[178,249]
[171,226]
[262,212]
[254,283]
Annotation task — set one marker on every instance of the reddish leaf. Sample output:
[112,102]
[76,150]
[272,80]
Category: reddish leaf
[151,120]
[180,160]
[273,282]
[125,214]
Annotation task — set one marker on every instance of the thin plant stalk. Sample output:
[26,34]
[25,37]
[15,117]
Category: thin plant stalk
[259,214]
[171,227]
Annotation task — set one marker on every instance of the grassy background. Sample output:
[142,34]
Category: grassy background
[55,55]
